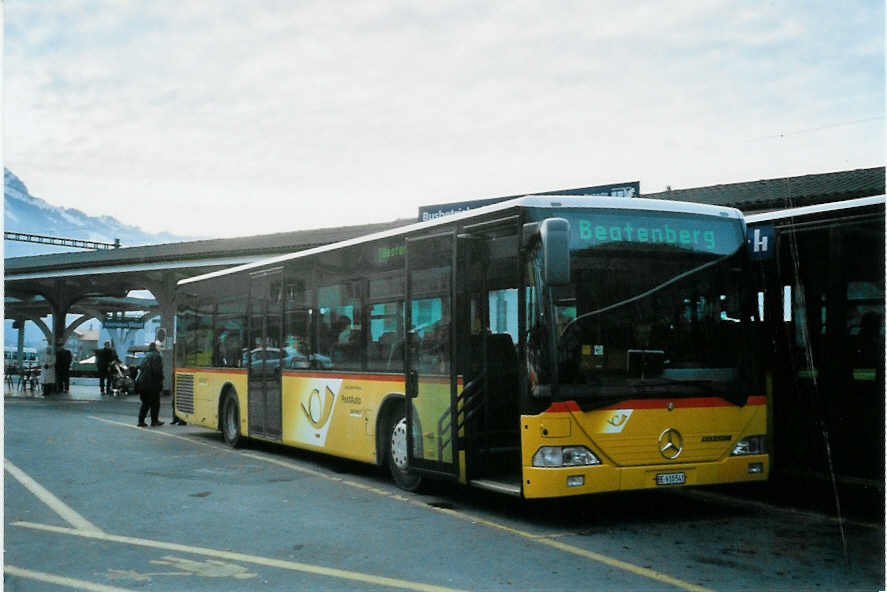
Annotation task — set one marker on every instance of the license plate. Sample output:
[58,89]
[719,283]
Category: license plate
[671,478]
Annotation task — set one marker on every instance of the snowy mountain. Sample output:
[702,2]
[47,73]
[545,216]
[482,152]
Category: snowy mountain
[22,212]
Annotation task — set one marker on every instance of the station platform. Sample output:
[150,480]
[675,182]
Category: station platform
[82,389]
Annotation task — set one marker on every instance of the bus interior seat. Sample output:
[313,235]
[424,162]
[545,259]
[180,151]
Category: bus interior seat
[383,348]
[502,372]
[502,366]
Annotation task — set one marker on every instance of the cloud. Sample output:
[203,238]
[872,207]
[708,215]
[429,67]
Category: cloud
[315,114]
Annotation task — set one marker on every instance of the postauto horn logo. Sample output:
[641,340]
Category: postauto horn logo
[319,407]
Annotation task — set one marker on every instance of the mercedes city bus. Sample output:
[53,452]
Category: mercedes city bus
[540,347]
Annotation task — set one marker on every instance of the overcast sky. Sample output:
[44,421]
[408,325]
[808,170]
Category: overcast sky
[228,118]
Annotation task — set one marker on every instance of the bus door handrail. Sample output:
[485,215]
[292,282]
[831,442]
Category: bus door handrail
[472,401]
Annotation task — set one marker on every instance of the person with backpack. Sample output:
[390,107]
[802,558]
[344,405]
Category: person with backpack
[149,383]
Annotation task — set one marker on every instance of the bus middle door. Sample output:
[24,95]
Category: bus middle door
[430,373]
[264,374]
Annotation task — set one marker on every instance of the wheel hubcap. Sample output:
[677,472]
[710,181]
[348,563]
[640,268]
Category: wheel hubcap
[399,444]
[230,422]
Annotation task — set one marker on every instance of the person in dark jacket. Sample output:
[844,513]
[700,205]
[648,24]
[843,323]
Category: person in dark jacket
[149,383]
[63,369]
[103,359]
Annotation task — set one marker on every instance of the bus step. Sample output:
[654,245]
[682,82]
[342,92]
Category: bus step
[507,487]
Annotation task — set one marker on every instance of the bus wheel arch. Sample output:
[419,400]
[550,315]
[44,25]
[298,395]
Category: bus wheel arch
[391,403]
[229,416]
[391,442]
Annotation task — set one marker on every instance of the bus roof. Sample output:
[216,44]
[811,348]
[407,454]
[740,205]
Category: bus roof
[529,201]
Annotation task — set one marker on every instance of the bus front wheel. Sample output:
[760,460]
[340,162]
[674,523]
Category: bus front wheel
[397,455]
[231,421]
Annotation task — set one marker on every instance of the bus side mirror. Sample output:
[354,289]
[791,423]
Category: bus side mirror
[555,235]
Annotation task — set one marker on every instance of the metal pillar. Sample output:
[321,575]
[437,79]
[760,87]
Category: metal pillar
[164,292]
[20,357]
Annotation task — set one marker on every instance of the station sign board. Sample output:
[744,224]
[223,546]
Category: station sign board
[760,241]
[629,189]
[117,323]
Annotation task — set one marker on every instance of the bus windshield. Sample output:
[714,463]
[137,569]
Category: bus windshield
[654,308]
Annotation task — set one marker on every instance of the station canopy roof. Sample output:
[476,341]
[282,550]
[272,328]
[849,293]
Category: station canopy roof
[784,192]
[114,272]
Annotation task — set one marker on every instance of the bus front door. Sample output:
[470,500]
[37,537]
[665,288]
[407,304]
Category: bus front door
[430,374]
[264,375]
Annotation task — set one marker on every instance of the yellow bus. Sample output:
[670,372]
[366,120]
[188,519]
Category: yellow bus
[539,347]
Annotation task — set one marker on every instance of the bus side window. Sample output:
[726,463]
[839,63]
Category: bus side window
[503,312]
[296,337]
[297,321]
[195,328]
[385,330]
[431,322]
[339,339]
[230,334]
[385,333]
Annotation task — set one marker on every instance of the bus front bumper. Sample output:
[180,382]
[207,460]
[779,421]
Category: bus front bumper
[541,482]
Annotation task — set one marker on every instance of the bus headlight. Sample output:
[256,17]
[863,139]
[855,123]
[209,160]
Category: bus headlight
[750,445]
[564,456]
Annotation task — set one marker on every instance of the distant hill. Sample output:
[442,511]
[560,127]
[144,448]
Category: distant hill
[22,212]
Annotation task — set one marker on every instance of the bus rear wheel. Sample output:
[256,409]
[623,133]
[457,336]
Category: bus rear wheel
[231,421]
[398,462]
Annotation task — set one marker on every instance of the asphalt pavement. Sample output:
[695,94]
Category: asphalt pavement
[92,502]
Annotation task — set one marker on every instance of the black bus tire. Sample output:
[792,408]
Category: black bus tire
[396,453]
[231,421]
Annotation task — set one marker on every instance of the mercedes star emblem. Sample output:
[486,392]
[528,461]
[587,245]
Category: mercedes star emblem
[671,443]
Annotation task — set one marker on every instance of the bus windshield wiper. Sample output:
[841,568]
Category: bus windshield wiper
[646,293]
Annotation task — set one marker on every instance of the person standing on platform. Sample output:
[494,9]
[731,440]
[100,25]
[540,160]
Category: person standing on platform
[149,383]
[103,359]
[47,370]
[63,369]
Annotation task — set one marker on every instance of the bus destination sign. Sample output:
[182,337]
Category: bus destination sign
[705,234]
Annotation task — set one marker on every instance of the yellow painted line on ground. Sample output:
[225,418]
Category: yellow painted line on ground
[160,432]
[543,539]
[327,476]
[61,580]
[625,566]
[354,576]
[56,505]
